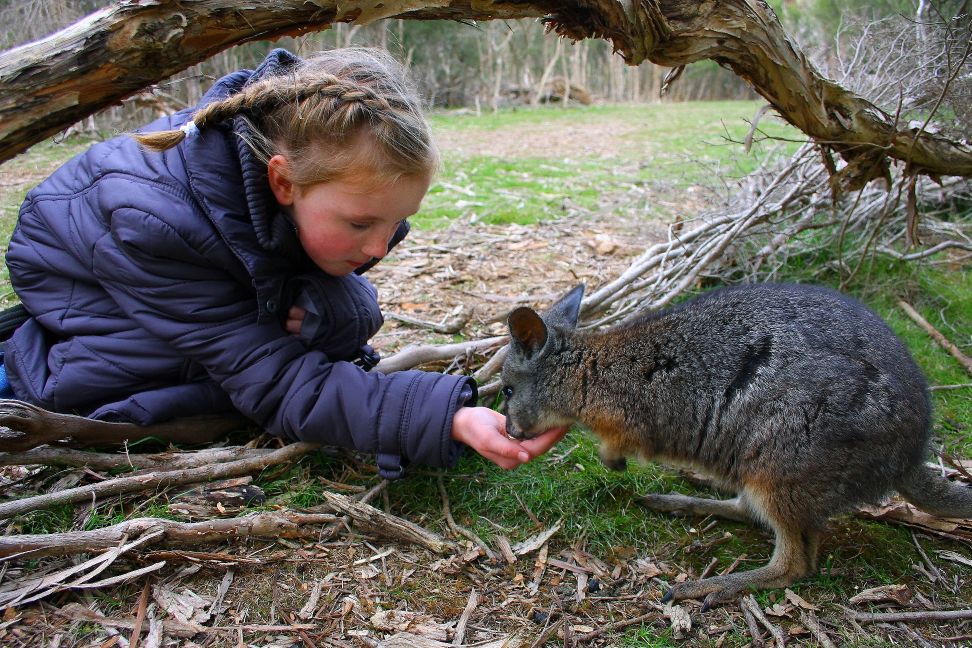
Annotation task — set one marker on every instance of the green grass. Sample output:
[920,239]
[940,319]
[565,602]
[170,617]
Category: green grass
[665,146]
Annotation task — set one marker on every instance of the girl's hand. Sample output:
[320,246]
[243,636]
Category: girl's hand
[484,430]
[295,317]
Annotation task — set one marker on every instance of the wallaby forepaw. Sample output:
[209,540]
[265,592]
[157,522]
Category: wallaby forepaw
[615,463]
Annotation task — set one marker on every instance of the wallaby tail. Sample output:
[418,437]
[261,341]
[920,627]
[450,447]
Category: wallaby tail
[925,487]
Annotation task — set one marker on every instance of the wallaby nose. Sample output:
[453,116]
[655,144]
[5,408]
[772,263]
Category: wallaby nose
[512,431]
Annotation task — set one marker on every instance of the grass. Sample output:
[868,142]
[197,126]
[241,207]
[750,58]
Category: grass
[674,148]
[670,148]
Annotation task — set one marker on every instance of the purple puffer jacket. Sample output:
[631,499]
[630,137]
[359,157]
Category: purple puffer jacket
[158,283]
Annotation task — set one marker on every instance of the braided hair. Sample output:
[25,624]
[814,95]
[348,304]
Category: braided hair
[317,114]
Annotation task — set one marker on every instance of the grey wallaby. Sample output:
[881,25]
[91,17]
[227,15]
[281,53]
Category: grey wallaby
[797,398]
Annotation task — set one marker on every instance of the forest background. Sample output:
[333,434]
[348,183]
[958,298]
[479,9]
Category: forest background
[484,66]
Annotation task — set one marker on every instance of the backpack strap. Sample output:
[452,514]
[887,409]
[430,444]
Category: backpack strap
[11,319]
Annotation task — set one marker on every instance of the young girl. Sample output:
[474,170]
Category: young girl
[214,260]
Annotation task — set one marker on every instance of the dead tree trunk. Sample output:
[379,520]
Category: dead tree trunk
[50,84]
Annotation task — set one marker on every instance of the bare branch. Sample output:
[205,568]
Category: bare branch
[155,480]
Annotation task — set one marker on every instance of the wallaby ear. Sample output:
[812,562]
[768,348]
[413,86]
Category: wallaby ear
[527,330]
[566,312]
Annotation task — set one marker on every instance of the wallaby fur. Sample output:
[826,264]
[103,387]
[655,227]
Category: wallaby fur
[798,398]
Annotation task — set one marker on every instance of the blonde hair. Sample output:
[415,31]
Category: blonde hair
[316,114]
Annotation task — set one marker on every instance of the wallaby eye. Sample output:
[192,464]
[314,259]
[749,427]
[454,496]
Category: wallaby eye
[507,392]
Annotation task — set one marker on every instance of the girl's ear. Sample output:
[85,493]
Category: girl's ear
[278,174]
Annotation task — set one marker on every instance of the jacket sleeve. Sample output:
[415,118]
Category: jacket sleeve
[341,313]
[170,287]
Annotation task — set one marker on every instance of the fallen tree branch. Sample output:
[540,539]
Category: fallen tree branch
[49,456]
[155,480]
[24,426]
[414,356]
[269,526]
[376,521]
[928,615]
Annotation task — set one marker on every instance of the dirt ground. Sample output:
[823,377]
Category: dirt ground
[605,137]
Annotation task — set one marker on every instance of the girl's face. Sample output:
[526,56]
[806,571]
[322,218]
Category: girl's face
[343,224]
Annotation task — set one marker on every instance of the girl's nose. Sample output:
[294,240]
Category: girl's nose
[376,246]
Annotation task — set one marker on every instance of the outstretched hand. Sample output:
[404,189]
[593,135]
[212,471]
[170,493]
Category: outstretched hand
[484,430]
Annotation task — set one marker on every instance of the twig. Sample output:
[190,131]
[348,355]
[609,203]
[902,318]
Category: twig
[955,352]
[751,623]
[936,574]
[464,619]
[809,620]
[735,563]
[650,617]
[332,529]
[35,588]
[140,614]
[709,568]
[174,627]
[448,327]
[156,480]
[949,387]
[917,638]
[457,528]
[492,365]
[547,633]
[750,602]
[526,509]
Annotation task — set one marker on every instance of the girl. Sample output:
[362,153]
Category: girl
[214,262]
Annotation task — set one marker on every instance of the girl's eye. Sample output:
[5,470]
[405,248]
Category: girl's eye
[508,392]
[359,226]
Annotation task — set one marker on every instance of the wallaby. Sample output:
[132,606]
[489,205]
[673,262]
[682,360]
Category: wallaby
[797,398]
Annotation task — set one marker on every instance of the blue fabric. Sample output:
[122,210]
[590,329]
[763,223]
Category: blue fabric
[6,391]
[158,285]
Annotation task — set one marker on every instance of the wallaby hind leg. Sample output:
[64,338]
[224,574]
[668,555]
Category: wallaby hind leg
[794,557]
[28,426]
[732,509]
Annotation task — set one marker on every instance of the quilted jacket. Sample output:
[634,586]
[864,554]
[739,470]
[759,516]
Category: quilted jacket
[158,283]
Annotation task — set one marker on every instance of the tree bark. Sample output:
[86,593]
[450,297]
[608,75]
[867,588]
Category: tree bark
[50,84]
